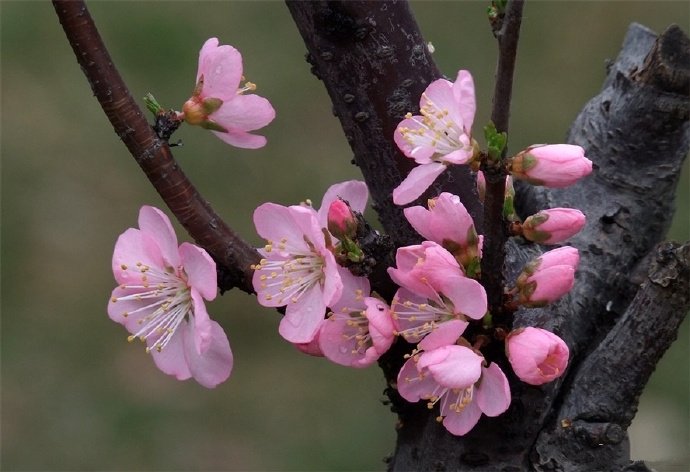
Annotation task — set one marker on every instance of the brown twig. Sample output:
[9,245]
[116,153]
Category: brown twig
[233,255]
[495,231]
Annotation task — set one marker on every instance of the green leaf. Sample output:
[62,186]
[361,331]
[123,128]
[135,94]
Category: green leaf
[495,141]
[152,104]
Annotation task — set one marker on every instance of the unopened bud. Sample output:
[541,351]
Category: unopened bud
[548,278]
[555,165]
[536,355]
[341,221]
[553,226]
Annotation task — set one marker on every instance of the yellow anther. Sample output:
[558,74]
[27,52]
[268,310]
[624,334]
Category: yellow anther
[131,338]
[123,267]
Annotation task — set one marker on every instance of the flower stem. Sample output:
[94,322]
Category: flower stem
[495,229]
[233,255]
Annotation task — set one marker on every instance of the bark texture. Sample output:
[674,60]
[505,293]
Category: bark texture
[374,64]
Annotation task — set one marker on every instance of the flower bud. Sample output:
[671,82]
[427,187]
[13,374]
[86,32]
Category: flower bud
[548,278]
[536,355]
[555,165]
[341,221]
[553,226]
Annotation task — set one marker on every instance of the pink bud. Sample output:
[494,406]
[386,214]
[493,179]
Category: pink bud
[341,221]
[553,226]
[555,165]
[193,111]
[536,355]
[548,278]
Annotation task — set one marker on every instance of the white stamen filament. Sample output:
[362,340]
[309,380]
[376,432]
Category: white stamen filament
[169,302]
[436,129]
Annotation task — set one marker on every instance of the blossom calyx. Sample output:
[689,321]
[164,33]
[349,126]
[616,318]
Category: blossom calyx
[554,165]
[553,226]
[537,356]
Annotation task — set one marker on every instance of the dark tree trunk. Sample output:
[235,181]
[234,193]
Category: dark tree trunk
[621,316]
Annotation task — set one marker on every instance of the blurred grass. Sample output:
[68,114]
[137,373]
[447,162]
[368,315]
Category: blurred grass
[75,394]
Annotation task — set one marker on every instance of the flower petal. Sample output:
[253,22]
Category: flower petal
[463,90]
[274,223]
[171,360]
[468,295]
[200,269]
[244,113]
[133,250]
[444,334]
[452,366]
[215,364]
[461,422]
[303,318]
[156,224]
[202,324]
[492,393]
[414,385]
[221,67]
[417,181]
[241,139]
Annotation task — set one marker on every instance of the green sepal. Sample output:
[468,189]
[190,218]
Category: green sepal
[509,208]
[213,126]
[487,320]
[495,142]
[211,105]
[473,269]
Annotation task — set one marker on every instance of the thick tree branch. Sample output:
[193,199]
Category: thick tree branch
[233,255]
[597,411]
[495,229]
[375,65]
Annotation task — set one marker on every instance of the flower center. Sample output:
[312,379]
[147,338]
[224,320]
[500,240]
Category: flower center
[165,299]
[435,130]
[420,319]
[290,278]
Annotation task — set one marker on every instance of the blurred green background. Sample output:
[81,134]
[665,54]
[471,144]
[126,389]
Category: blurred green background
[75,394]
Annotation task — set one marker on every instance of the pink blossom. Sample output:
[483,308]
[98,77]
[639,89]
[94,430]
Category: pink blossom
[434,296]
[360,329]
[218,103]
[455,376]
[439,137]
[549,277]
[448,223]
[553,226]
[297,269]
[160,296]
[536,355]
[555,165]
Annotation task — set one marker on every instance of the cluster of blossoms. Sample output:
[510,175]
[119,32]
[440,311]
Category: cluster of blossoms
[312,262]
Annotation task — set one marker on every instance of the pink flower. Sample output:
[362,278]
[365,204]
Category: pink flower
[536,355]
[549,277]
[297,270]
[553,226]
[440,136]
[555,165]
[160,296]
[455,376]
[435,297]
[448,223]
[219,105]
[360,329]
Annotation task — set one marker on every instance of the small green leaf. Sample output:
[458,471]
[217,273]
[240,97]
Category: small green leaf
[152,104]
[495,141]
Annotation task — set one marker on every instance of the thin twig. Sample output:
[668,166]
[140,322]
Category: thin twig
[233,255]
[495,231]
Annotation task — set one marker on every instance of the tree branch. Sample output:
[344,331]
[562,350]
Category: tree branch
[233,255]
[596,412]
[495,229]
[375,65]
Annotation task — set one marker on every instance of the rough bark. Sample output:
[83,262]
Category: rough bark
[636,132]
